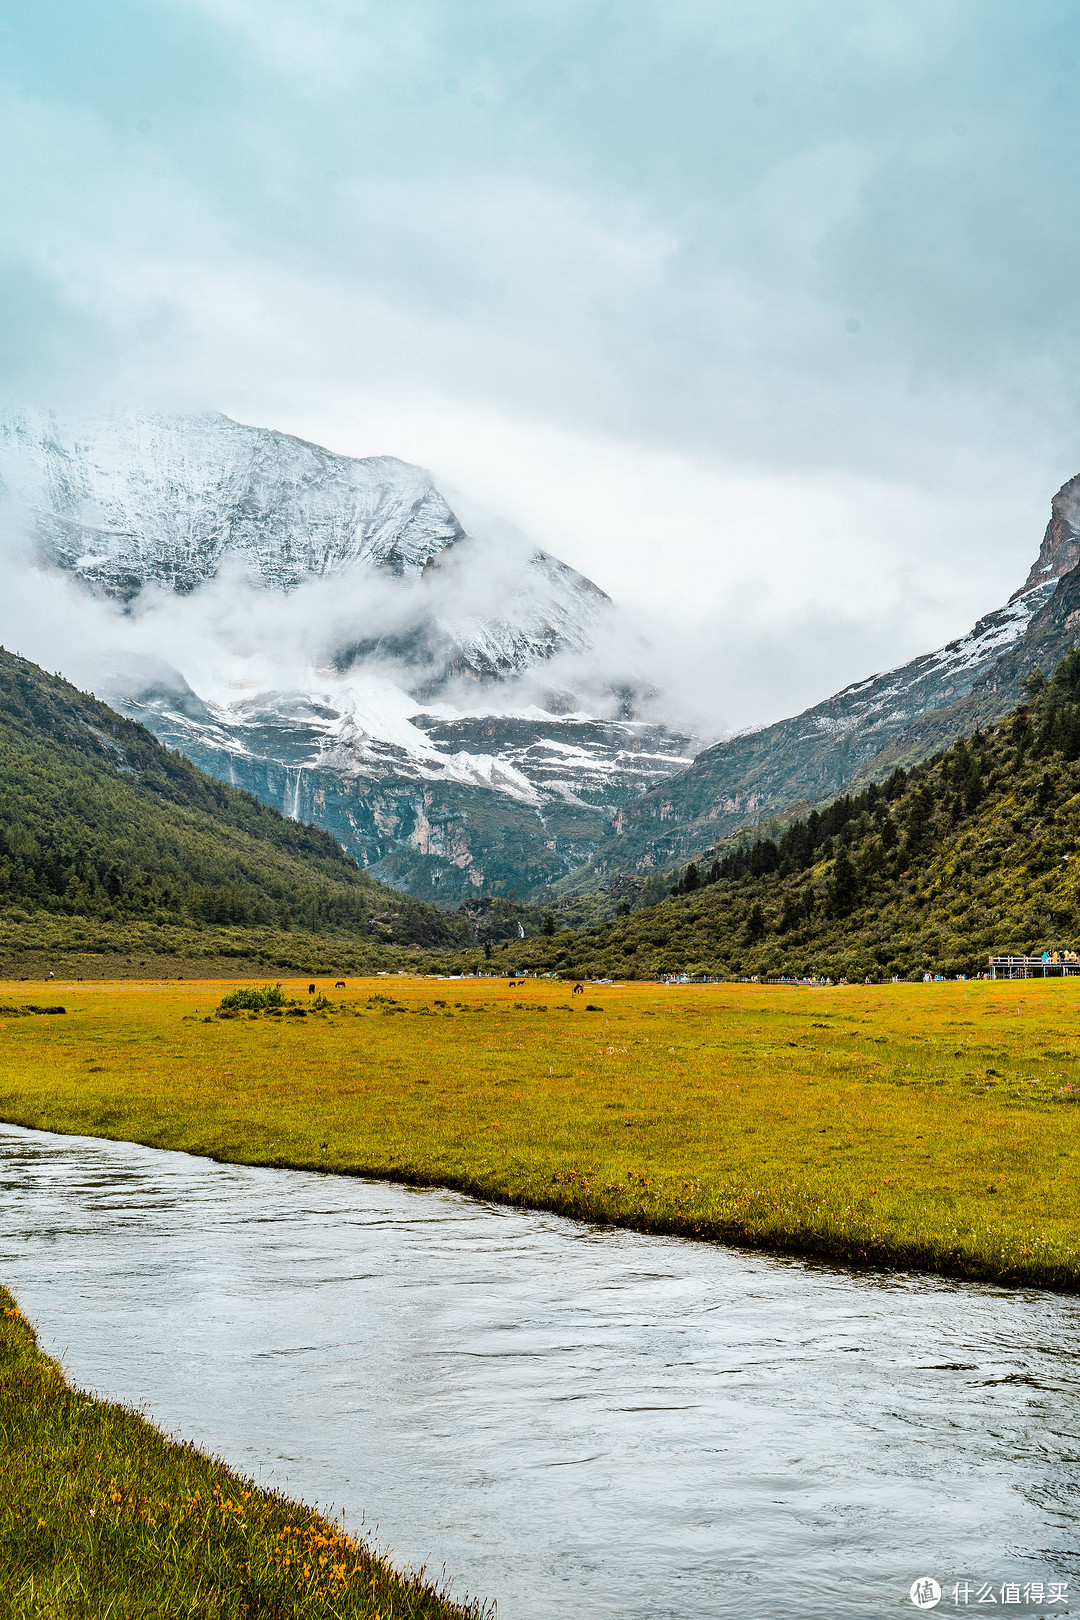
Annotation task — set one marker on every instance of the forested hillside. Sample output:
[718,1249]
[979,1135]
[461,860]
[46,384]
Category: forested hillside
[99,821]
[105,833]
[977,850]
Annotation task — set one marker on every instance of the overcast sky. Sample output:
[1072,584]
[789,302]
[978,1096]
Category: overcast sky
[764,315]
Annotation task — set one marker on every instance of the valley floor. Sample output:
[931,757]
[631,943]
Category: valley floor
[916,1126]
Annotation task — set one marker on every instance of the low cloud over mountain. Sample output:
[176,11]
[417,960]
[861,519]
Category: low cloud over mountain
[460,708]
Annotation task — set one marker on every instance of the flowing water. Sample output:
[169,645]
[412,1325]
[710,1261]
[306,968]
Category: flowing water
[576,1422]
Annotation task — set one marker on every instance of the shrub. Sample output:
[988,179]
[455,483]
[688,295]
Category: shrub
[254,998]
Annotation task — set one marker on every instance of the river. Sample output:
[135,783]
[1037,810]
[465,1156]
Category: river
[577,1422]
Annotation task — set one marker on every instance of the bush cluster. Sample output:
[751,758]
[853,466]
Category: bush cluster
[254,998]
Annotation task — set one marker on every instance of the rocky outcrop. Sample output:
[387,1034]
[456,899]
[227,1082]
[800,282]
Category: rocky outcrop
[469,804]
[1060,549]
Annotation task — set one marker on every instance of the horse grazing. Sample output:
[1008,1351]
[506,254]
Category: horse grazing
[311,989]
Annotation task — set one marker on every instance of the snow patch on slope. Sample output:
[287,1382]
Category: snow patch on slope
[898,696]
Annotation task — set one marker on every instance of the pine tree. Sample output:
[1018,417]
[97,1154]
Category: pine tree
[844,889]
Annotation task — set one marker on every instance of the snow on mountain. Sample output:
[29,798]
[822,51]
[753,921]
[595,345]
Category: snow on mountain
[323,631]
[857,735]
[131,500]
[127,499]
[883,704]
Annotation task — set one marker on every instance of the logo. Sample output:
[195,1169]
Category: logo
[925,1592]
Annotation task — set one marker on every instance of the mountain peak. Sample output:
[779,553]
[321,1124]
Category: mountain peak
[1060,549]
[133,498]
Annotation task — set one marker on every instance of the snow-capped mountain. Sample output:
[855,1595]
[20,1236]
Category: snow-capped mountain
[323,631]
[326,633]
[128,501]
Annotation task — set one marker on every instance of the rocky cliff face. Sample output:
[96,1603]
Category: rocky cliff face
[440,804]
[440,796]
[1060,549]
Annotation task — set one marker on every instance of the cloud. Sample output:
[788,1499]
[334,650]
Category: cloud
[491,604]
[774,630]
[766,321]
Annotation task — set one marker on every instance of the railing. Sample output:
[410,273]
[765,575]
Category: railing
[1032,967]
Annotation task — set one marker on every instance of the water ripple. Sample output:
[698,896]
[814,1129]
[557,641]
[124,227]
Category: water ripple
[578,1422]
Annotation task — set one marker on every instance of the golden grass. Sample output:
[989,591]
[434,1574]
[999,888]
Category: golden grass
[103,1518]
[930,1126]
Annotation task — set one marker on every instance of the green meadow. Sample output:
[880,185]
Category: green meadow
[928,1126]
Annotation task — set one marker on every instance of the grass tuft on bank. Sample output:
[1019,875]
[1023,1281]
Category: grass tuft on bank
[103,1516]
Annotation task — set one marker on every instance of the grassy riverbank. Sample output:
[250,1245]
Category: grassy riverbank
[102,1516]
[932,1126]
